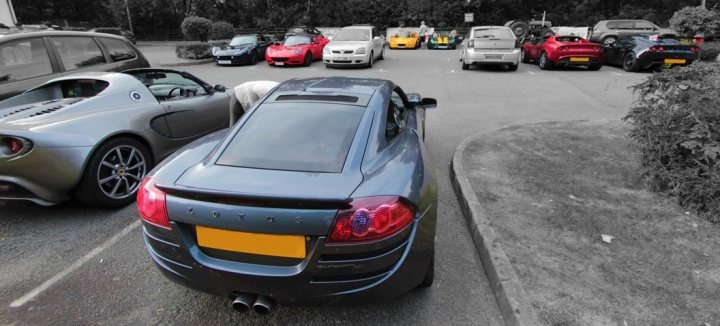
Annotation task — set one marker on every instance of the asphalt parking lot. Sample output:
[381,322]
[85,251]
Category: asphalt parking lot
[74,265]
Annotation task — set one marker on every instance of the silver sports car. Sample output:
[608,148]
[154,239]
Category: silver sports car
[98,134]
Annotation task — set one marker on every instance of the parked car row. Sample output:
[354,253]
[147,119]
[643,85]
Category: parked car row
[497,45]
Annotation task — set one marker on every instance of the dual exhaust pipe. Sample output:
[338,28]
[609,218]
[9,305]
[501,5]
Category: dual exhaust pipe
[260,304]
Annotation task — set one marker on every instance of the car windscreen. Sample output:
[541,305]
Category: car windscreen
[494,33]
[243,40]
[404,34]
[352,35]
[308,137]
[568,39]
[296,40]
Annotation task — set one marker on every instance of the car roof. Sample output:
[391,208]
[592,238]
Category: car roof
[358,27]
[344,90]
[490,27]
[24,35]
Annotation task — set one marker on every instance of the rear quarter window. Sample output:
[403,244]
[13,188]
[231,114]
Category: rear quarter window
[78,52]
[20,60]
[308,137]
[118,50]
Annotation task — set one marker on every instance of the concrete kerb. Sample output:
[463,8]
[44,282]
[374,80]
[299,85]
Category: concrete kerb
[186,63]
[509,294]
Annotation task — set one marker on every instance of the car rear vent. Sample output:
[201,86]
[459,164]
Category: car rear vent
[17,111]
[324,98]
[55,108]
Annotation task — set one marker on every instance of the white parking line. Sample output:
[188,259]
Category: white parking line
[534,73]
[616,73]
[77,264]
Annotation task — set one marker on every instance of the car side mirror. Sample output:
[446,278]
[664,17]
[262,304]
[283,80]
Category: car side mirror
[428,103]
[219,88]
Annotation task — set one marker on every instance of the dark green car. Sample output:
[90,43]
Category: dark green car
[443,40]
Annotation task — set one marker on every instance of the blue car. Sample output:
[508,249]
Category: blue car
[323,193]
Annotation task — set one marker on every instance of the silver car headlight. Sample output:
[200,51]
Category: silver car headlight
[326,50]
[360,51]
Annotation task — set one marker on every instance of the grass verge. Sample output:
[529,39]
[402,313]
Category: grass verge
[552,190]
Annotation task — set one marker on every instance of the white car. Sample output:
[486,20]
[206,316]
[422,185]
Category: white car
[354,46]
[490,45]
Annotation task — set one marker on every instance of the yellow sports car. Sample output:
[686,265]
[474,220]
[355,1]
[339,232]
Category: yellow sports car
[404,40]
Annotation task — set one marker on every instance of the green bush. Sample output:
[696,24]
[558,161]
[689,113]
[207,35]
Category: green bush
[676,123]
[691,21]
[194,51]
[196,28]
[710,51]
[222,31]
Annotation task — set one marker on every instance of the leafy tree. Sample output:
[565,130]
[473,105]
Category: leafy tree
[196,28]
[691,21]
[222,30]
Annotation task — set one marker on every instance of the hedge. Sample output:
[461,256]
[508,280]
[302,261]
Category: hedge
[676,125]
[194,51]
[196,28]
[222,31]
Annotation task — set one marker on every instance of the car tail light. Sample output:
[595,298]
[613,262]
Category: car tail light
[695,49]
[471,43]
[661,49]
[13,146]
[653,49]
[151,204]
[371,218]
[563,48]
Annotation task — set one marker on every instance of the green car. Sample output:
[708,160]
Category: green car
[442,40]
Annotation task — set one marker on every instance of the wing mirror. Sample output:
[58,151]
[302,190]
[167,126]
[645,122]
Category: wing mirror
[219,88]
[428,103]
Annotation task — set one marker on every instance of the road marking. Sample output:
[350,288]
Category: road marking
[77,264]
[534,73]
[381,70]
[616,73]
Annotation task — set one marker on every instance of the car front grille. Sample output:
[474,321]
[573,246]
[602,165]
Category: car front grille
[280,59]
[343,51]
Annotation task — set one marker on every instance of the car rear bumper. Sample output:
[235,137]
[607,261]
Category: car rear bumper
[44,176]
[567,60]
[650,59]
[328,275]
[491,57]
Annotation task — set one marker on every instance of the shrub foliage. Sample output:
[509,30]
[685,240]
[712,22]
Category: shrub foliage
[710,51]
[196,28]
[194,51]
[222,31]
[676,123]
[690,21]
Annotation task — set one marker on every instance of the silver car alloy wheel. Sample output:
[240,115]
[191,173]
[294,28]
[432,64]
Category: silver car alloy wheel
[121,171]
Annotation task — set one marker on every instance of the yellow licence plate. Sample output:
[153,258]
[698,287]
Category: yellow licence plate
[579,59]
[675,61]
[291,246]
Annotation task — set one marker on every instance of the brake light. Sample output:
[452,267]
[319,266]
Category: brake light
[695,49]
[151,204]
[14,145]
[661,49]
[562,48]
[371,218]
[471,43]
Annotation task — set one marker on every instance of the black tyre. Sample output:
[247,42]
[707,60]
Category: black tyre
[523,56]
[547,33]
[429,276]
[594,67]
[308,59]
[382,54]
[609,41]
[520,29]
[512,67]
[253,58]
[114,173]
[545,63]
[465,66]
[370,61]
[630,62]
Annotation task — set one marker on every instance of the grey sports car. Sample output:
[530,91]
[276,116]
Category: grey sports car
[323,193]
[98,134]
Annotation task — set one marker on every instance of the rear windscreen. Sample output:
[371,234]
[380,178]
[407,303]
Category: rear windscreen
[309,137]
[494,33]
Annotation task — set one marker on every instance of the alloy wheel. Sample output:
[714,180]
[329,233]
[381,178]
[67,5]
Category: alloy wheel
[121,171]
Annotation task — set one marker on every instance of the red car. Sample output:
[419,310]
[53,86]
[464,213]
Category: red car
[563,51]
[296,50]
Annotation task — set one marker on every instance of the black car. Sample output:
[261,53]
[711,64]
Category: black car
[116,31]
[647,51]
[302,30]
[242,49]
